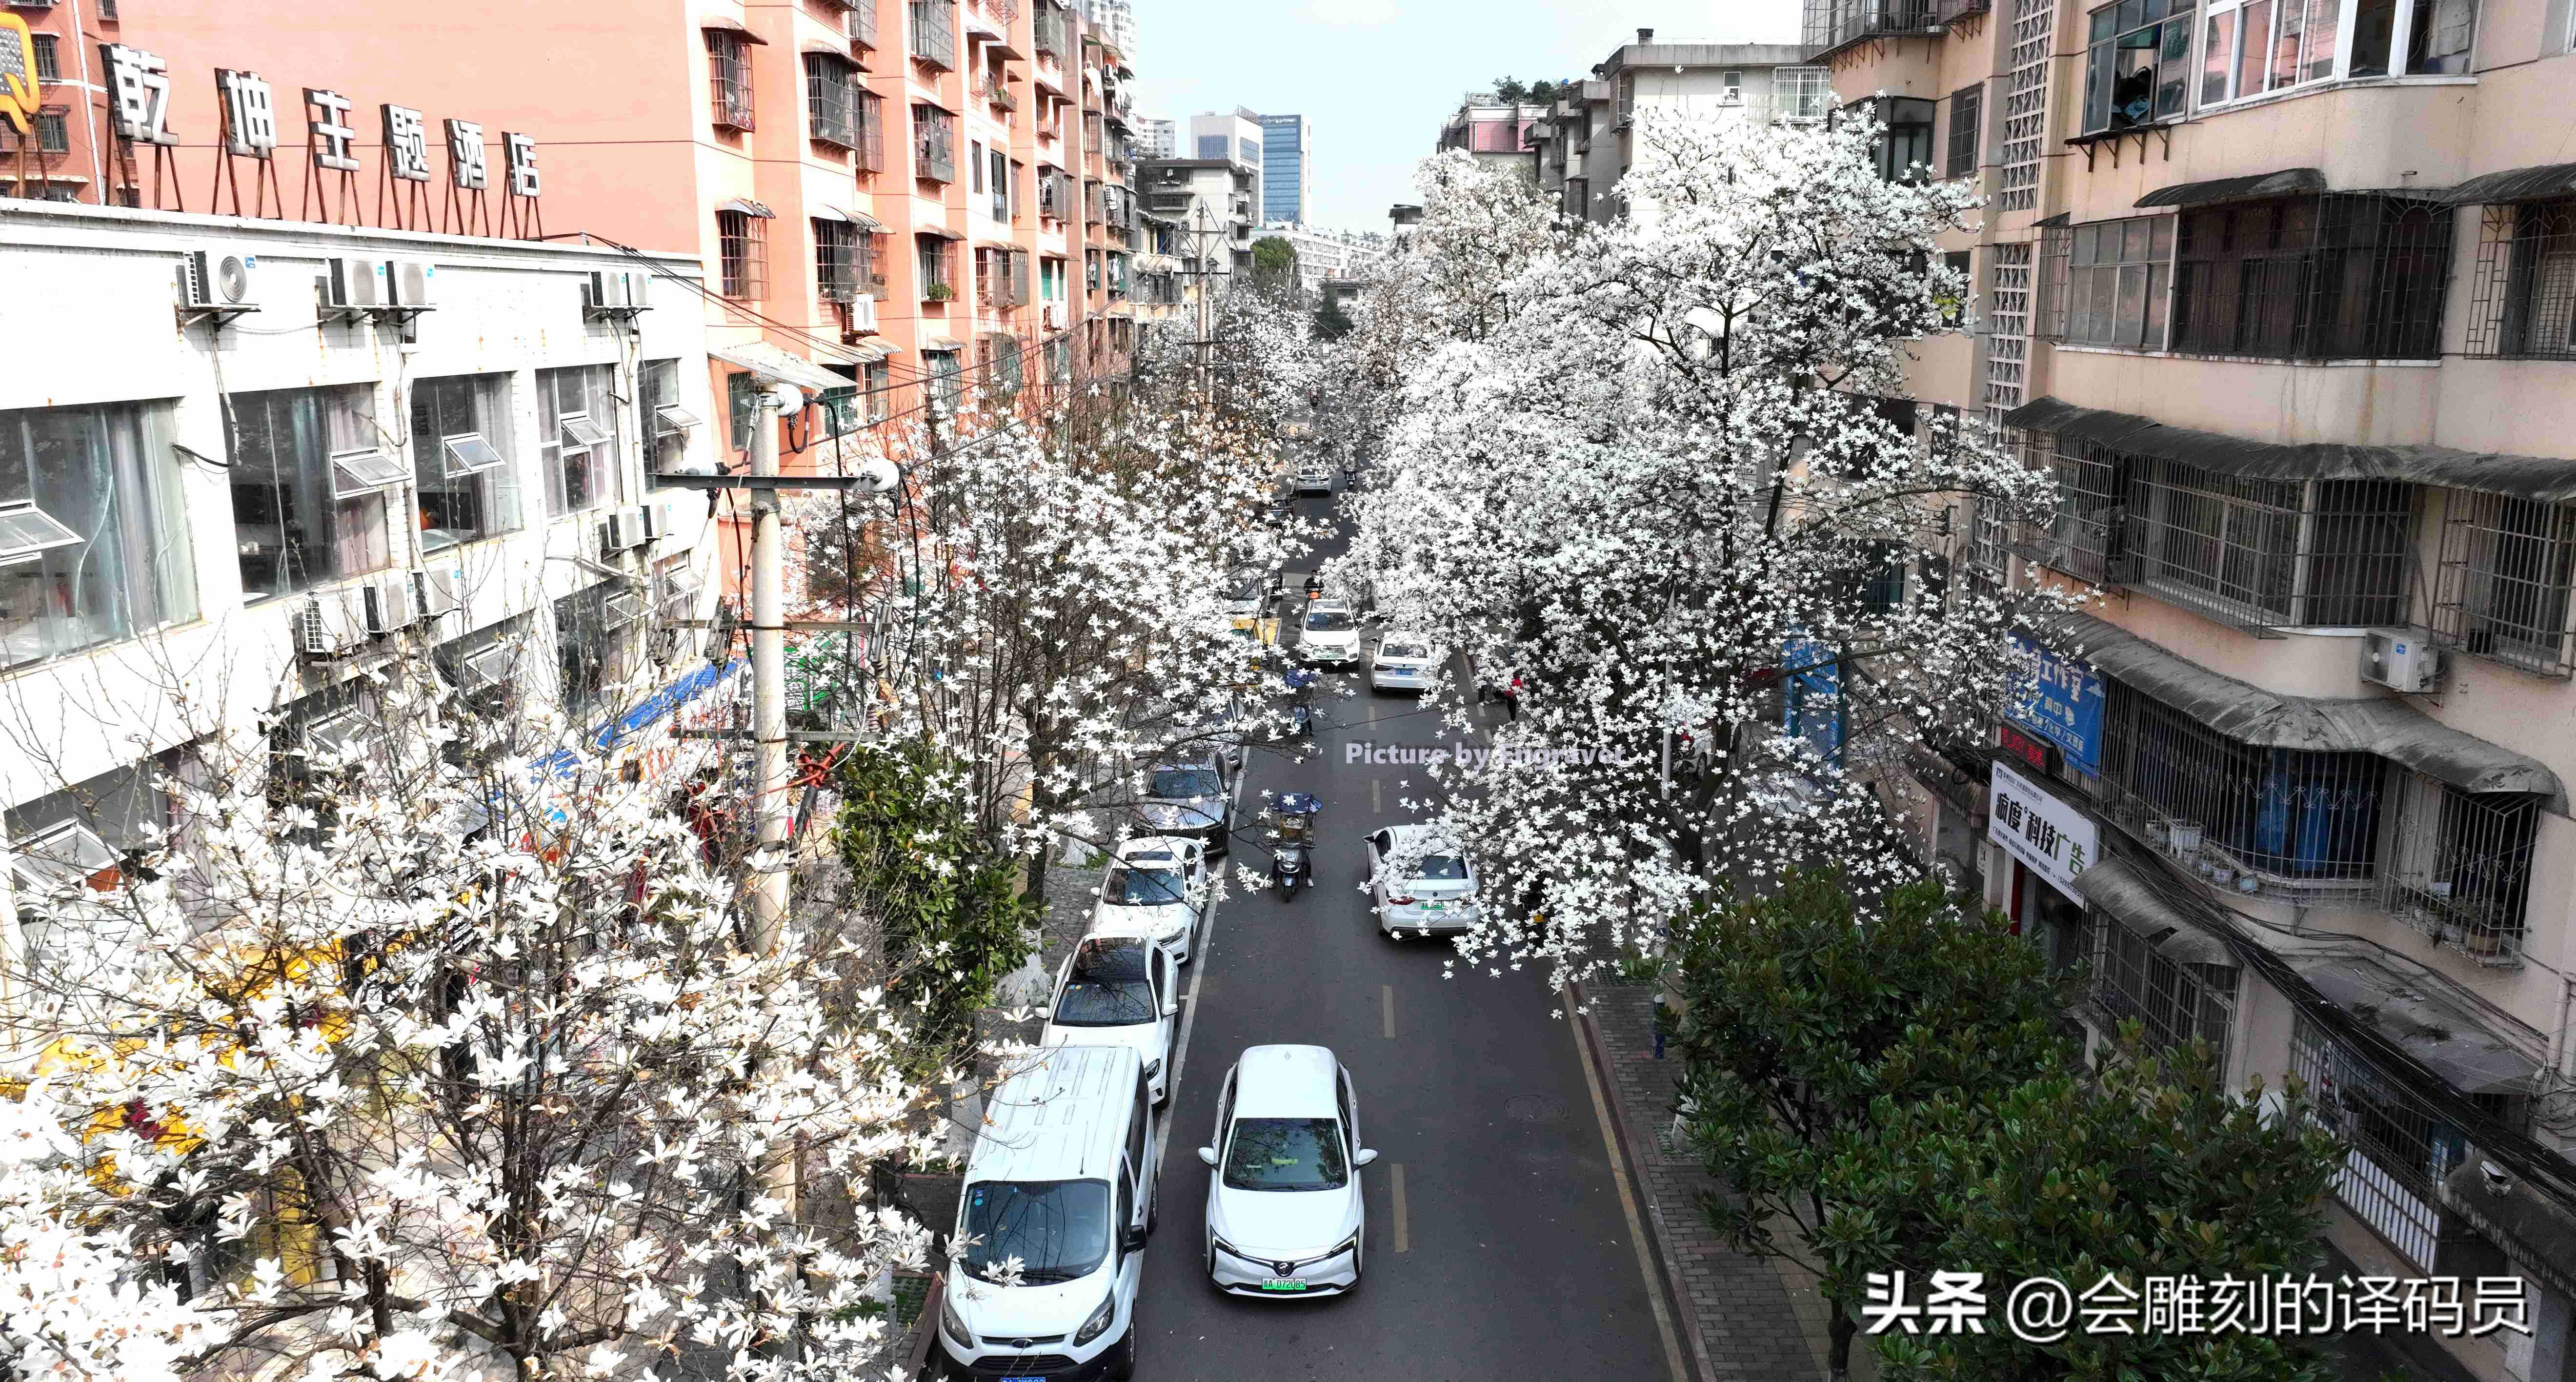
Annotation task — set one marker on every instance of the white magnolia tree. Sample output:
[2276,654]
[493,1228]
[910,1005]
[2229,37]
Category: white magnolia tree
[453,1057]
[1644,463]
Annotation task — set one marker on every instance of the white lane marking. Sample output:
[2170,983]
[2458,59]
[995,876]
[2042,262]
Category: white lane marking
[1402,1242]
[1386,992]
[1628,1205]
[1375,809]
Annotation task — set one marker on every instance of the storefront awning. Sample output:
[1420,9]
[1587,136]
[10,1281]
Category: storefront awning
[2548,181]
[2122,890]
[2248,714]
[2288,182]
[2545,479]
[769,362]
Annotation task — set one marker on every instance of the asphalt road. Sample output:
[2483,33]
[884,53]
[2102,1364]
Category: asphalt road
[1509,1256]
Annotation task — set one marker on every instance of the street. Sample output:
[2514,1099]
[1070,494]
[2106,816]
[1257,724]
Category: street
[1497,1246]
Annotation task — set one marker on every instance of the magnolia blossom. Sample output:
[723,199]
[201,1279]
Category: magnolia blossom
[1642,465]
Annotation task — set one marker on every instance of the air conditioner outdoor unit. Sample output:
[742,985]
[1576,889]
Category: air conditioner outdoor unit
[330,624]
[351,286]
[391,604]
[1052,315]
[2401,659]
[438,591]
[409,284]
[655,520]
[621,530]
[209,281]
[639,289]
[863,313]
[604,293]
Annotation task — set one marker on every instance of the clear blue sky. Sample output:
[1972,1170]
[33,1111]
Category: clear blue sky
[1376,77]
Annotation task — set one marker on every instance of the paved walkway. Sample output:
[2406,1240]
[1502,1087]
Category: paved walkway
[1749,1317]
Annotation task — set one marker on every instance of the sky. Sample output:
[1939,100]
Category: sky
[1375,78]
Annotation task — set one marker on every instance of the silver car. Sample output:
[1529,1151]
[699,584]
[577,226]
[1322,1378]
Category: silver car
[1314,477]
[1188,800]
[1420,882]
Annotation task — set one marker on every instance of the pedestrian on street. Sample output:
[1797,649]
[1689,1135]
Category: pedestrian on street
[1512,697]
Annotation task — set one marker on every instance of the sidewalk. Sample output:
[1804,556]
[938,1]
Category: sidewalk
[1743,1317]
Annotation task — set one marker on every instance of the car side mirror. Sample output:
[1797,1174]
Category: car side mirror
[1366,1155]
[1171,1007]
[1045,1012]
[1134,1241]
[1208,1155]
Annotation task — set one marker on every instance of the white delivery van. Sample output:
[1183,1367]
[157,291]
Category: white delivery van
[1062,1178]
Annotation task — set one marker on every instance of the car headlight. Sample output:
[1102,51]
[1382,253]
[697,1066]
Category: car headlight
[1350,1244]
[953,1326]
[1231,1250]
[1153,1069]
[1099,1320]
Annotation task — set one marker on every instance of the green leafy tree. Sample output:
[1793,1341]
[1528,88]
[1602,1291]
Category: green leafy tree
[1331,322]
[955,921]
[1806,1019]
[2148,1169]
[1274,260]
[1509,90]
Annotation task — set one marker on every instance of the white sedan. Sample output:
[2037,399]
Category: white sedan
[1158,886]
[1117,990]
[1403,662]
[1314,478]
[1420,881]
[1284,1213]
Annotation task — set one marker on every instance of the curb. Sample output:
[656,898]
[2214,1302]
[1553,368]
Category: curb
[1676,1301]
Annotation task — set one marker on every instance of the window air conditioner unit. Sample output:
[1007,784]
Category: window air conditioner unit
[330,624]
[621,530]
[604,293]
[409,282]
[438,591]
[351,287]
[2400,659]
[216,282]
[391,604]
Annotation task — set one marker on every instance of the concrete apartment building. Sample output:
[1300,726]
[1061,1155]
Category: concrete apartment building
[1238,137]
[898,202]
[1329,255]
[267,456]
[60,158]
[2282,297]
[1157,138]
[1287,169]
[1582,146]
[1210,206]
[1494,131]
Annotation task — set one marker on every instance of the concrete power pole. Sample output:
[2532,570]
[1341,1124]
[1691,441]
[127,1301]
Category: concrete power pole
[771,805]
[1206,342]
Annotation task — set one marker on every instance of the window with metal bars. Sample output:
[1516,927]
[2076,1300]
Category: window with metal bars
[2333,277]
[741,407]
[934,33]
[877,380]
[2176,1002]
[1960,265]
[938,268]
[1967,108]
[934,144]
[2462,872]
[861,23]
[743,254]
[729,79]
[2507,568]
[836,260]
[1903,149]
[2524,299]
[2106,282]
[52,135]
[2397,1148]
[831,105]
[867,110]
[1989,555]
[48,59]
[2296,815]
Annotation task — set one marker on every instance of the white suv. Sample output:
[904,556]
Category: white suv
[1284,1213]
[1331,634]
[1159,887]
[1117,990]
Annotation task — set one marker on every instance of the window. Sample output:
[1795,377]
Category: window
[870,117]
[836,260]
[2525,304]
[2137,62]
[2463,866]
[2507,566]
[52,136]
[2249,47]
[839,407]
[934,144]
[594,643]
[300,516]
[2357,276]
[938,267]
[1018,199]
[2108,282]
[1248,149]
[831,107]
[665,422]
[934,33]
[742,407]
[80,837]
[1211,146]
[1733,88]
[1802,93]
[1959,266]
[468,487]
[878,377]
[975,165]
[945,378]
[2297,815]
[1967,106]
[1091,271]
[93,534]
[577,427]
[999,173]
[729,79]
[742,241]
[48,63]
[2176,1001]
[1903,151]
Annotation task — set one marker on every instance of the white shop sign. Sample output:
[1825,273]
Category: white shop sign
[2049,837]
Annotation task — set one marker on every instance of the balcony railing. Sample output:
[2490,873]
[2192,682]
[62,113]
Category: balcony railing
[995,89]
[934,33]
[1833,24]
[1049,32]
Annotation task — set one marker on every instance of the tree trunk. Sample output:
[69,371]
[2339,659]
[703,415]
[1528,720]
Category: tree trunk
[1838,1353]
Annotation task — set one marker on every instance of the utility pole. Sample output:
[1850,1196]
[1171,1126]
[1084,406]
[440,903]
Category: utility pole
[1206,342]
[771,807]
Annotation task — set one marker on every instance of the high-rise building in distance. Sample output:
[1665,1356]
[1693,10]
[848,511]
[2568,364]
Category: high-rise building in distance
[1287,167]
[1157,138]
[1236,137]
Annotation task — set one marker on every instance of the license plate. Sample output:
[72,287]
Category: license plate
[1283,1283]
[1024,1379]
[1435,906]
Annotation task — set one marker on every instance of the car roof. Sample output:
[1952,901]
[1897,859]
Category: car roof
[1286,1082]
[1343,605]
[1422,834]
[1059,1113]
[1147,846]
[1403,636]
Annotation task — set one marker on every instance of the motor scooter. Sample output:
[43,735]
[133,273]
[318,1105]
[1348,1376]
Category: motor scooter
[1301,711]
[1291,854]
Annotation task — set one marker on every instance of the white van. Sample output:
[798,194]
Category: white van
[1063,1178]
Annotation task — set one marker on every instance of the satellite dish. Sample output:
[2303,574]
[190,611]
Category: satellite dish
[232,278]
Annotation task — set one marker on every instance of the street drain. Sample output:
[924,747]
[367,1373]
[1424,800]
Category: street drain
[1533,1108]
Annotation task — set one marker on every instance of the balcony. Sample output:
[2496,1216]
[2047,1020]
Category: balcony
[933,30]
[1830,26]
[995,90]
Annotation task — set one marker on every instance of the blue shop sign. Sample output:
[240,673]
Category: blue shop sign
[2060,700]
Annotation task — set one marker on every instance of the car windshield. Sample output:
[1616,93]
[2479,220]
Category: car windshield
[1059,1229]
[1132,886]
[1440,867]
[1402,650]
[1286,1154]
[1196,781]
[1106,988]
[1330,621]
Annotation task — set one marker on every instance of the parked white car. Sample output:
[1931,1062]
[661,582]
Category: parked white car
[1314,477]
[1403,662]
[1420,882]
[1331,634]
[1158,886]
[1117,990]
[1284,1213]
